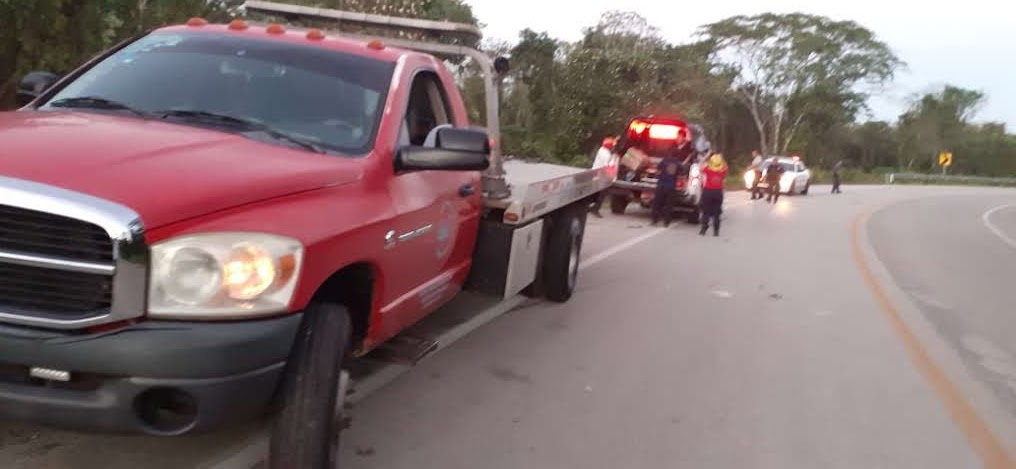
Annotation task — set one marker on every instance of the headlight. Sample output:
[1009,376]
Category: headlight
[223,276]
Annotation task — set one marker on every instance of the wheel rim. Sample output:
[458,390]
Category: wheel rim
[573,256]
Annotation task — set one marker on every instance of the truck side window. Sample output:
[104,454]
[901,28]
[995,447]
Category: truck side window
[428,108]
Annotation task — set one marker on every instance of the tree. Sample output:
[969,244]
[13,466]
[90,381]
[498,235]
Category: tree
[530,95]
[936,122]
[777,59]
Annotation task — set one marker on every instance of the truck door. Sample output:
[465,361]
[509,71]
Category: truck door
[435,208]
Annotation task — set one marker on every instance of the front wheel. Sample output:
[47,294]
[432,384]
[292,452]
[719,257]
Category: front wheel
[305,432]
[806,187]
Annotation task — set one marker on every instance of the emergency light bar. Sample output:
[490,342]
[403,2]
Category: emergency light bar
[664,132]
[656,131]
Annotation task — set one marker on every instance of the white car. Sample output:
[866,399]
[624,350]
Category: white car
[796,176]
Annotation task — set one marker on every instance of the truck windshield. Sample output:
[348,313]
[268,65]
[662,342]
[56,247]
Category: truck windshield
[328,98]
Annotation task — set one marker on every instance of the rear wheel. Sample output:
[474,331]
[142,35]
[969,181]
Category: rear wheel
[807,185]
[306,429]
[618,204]
[561,255]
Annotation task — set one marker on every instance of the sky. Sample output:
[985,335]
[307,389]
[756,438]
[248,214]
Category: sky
[966,44]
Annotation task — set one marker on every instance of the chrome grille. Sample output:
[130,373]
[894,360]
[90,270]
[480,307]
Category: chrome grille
[39,290]
[46,292]
[40,233]
[68,260]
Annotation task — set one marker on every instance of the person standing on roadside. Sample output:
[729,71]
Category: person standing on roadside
[672,166]
[666,189]
[774,173]
[836,176]
[604,157]
[714,172]
[756,167]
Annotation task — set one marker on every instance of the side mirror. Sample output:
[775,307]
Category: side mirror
[453,150]
[33,85]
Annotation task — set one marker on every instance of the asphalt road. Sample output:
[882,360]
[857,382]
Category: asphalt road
[792,340]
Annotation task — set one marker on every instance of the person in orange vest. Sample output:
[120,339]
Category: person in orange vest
[714,173]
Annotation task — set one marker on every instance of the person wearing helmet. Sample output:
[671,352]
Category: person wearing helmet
[714,172]
[604,157]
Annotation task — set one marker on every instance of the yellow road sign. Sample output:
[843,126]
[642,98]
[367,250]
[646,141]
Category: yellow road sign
[945,158]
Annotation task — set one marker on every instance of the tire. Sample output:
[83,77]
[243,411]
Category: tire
[305,431]
[793,186]
[618,204]
[807,185]
[561,255]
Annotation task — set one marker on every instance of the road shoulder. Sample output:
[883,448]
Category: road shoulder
[972,406]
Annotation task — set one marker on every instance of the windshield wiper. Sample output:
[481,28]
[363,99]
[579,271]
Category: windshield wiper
[246,124]
[95,102]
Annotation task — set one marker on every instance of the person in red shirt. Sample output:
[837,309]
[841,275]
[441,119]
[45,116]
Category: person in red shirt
[714,172]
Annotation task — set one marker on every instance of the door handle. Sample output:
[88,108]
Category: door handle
[467,190]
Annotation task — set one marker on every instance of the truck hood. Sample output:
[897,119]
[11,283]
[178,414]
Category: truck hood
[165,172]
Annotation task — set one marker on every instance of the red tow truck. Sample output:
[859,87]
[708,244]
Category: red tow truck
[209,222]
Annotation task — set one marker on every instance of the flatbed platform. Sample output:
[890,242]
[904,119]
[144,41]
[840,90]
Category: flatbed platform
[540,188]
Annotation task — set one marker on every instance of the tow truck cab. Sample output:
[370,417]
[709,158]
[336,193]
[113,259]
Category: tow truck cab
[641,148]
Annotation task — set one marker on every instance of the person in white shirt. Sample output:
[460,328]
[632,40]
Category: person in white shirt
[604,157]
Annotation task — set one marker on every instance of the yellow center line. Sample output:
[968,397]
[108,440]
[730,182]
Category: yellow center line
[981,438]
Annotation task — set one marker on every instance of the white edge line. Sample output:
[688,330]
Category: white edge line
[986,217]
[596,259]
[255,451]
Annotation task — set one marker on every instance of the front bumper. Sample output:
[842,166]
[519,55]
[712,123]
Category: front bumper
[124,380]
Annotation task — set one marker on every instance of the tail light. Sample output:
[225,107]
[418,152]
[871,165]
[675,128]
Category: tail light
[682,182]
